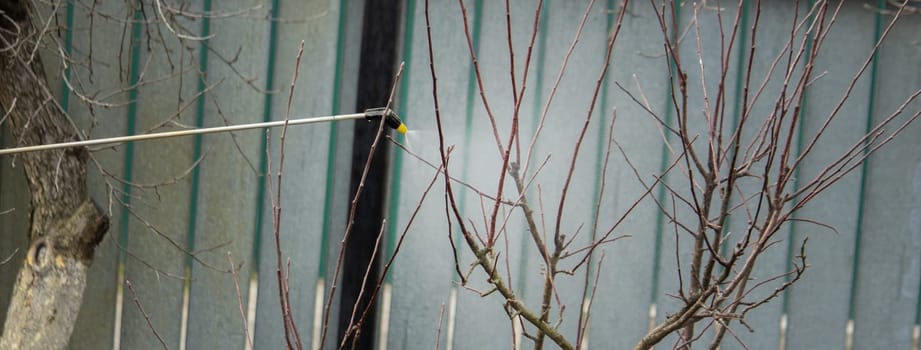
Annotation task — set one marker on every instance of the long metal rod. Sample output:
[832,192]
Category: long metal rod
[178,133]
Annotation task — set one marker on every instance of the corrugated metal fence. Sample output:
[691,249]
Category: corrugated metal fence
[174,222]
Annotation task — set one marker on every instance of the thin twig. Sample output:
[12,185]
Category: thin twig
[476,69]
[236,285]
[441,317]
[283,291]
[9,257]
[396,250]
[460,181]
[137,302]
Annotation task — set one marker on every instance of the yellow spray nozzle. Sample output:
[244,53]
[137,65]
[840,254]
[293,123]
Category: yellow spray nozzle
[390,117]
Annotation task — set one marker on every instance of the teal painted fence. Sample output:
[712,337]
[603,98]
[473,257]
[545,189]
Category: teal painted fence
[181,207]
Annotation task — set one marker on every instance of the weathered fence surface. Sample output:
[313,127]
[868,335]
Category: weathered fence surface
[180,207]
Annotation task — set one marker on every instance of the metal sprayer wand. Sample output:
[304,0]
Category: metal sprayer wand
[392,120]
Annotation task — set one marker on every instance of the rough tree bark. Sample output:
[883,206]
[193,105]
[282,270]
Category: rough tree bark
[66,225]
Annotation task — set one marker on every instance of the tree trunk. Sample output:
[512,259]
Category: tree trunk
[66,225]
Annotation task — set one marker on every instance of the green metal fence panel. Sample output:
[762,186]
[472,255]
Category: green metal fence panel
[565,120]
[306,167]
[634,255]
[421,280]
[620,314]
[208,210]
[867,273]
[700,47]
[772,41]
[886,286]
[156,241]
[229,177]
[477,323]
[339,167]
[815,307]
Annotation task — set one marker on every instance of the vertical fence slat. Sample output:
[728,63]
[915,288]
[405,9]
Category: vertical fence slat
[229,178]
[887,277]
[771,41]
[419,279]
[156,242]
[562,128]
[620,312]
[478,322]
[705,29]
[890,249]
[817,311]
[304,177]
[338,195]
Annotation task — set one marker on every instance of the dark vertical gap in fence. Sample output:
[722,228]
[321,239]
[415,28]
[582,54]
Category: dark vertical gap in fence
[375,77]
[393,207]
